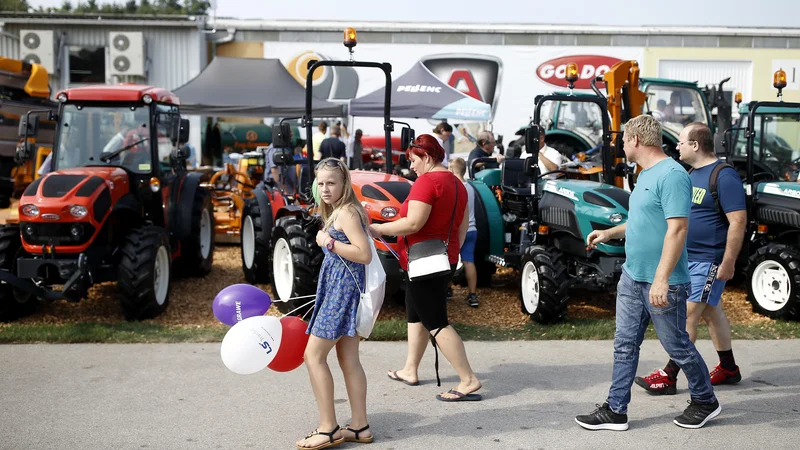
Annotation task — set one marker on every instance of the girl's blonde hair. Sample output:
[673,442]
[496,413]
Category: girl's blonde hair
[348,199]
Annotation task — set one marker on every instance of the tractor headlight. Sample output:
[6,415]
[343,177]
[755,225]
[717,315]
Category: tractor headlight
[389,212]
[30,210]
[78,211]
[62,97]
[615,218]
[147,99]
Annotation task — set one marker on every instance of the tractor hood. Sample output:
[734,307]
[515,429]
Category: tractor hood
[579,207]
[75,186]
[68,207]
[381,194]
[591,193]
[788,189]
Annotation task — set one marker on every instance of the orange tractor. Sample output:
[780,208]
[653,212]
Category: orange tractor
[279,227]
[117,205]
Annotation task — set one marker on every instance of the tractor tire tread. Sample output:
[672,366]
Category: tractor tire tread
[139,250]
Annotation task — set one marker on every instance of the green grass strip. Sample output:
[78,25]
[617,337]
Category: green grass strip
[390,330]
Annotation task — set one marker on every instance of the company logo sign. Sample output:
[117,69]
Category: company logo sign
[251,135]
[419,88]
[589,67]
[478,76]
[328,82]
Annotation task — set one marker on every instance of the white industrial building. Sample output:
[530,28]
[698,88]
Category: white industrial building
[168,51]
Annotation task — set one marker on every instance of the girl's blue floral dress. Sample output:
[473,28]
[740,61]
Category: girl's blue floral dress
[337,294]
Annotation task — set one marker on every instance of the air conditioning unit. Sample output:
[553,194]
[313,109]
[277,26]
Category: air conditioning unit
[126,53]
[36,47]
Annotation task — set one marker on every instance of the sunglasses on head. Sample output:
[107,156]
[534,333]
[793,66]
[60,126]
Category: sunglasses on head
[330,162]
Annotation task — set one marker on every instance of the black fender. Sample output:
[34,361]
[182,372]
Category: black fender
[265,206]
[128,202]
[182,217]
[290,210]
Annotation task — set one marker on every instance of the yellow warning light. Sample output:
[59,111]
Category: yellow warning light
[572,72]
[779,79]
[350,40]
[737,98]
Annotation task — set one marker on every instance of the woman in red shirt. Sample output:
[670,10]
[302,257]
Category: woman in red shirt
[428,213]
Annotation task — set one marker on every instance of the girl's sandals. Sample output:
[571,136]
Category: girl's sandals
[331,441]
[360,440]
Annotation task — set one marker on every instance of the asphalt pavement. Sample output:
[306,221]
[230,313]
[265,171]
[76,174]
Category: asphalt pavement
[181,396]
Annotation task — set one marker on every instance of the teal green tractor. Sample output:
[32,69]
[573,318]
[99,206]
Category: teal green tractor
[767,144]
[574,126]
[538,222]
[775,158]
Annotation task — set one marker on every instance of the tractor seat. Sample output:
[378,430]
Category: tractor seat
[514,180]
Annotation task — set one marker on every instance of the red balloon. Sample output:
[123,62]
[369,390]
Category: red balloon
[293,345]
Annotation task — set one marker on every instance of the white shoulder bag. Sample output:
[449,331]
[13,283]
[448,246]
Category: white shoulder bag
[371,298]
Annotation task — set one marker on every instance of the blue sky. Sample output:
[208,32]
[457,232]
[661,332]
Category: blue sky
[745,13]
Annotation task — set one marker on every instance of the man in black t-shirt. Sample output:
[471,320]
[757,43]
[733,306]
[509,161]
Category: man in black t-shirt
[333,147]
[485,149]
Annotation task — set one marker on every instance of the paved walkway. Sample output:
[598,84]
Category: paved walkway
[181,396]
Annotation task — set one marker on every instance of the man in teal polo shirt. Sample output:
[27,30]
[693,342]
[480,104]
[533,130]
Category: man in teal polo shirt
[655,281]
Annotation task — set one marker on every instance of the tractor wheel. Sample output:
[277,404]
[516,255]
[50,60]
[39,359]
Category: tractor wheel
[296,261]
[544,290]
[255,244]
[197,252]
[144,273]
[773,285]
[14,303]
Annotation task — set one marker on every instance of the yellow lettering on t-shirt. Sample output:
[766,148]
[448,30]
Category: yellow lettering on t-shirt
[698,194]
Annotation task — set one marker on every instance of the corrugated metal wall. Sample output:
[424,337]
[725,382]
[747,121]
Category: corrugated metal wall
[175,53]
[710,72]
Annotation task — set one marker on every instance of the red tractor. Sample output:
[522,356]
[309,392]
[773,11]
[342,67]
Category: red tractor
[116,205]
[279,228]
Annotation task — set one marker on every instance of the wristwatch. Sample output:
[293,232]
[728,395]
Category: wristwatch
[329,245]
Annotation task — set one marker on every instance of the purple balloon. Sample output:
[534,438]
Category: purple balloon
[238,302]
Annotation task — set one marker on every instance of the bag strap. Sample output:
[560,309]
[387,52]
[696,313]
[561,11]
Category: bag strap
[353,275]
[713,182]
[453,216]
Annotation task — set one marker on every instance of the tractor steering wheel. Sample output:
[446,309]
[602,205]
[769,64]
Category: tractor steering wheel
[477,161]
[561,174]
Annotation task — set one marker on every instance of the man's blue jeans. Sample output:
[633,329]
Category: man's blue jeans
[634,312]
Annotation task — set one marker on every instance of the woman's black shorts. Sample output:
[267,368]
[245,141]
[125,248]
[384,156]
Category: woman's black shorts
[426,301]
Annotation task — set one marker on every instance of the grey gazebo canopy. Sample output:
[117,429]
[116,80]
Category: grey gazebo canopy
[251,87]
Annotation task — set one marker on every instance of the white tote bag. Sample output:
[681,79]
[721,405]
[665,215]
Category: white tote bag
[372,293]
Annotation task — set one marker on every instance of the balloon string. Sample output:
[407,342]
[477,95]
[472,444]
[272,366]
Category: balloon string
[394,253]
[304,315]
[300,307]
[294,298]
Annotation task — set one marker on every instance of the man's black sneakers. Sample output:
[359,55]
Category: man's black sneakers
[697,414]
[603,418]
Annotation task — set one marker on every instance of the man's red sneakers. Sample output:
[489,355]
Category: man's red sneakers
[721,375]
[658,383]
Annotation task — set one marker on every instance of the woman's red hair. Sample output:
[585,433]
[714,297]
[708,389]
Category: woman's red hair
[426,145]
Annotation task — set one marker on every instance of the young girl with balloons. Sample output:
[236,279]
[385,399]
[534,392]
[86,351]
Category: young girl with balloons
[333,323]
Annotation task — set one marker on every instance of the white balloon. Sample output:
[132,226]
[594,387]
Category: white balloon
[250,345]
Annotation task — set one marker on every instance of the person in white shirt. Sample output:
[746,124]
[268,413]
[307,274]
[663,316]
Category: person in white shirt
[549,158]
[459,167]
[442,133]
